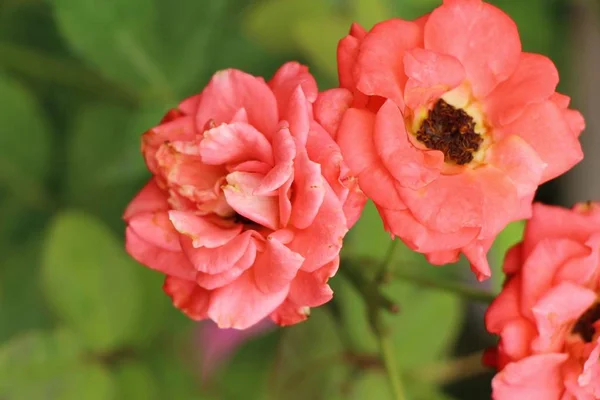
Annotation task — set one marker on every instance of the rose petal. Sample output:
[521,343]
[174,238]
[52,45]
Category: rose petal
[241,304]
[467,30]
[230,90]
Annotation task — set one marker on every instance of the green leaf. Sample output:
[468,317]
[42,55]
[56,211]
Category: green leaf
[191,34]
[120,38]
[24,143]
[135,382]
[271,22]
[310,361]
[48,365]
[510,236]
[21,304]
[35,358]
[90,281]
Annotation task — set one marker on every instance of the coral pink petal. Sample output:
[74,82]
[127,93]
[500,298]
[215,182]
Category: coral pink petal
[581,270]
[276,267]
[533,81]
[535,377]
[188,297]
[520,162]
[220,259]
[230,90]
[505,307]
[289,313]
[330,108]
[213,281]
[418,237]
[500,200]
[544,128]
[355,141]
[476,253]
[321,242]
[239,193]
[284,150]
[555,313]
[311,289]
[430,75]
[443,257]
[299,115]
[513,260]
[541,266]
[150,199]
[411,167]
[482,37]
[347,51]
[190,105]
[575,121]
[156,229]
[286,81]
[241,304]
[234,143]
[173,263]
[556,222]
[379,68]
[516,337]
[309,191]
[201,230]
[449,203]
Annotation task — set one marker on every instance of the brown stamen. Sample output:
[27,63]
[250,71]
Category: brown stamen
[584,326]
[452,131]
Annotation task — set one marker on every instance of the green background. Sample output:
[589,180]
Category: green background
[80,80]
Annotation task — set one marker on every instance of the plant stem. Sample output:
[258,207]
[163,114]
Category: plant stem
[445,372]
[369,290]
[389,361]
[383,275]
[61,72]
[457,288]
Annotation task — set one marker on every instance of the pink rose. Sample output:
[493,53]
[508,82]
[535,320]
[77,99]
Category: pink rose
[249,202]
[548,314]
[449,126]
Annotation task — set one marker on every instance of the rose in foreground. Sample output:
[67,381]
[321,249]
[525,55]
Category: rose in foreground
[249,201]
[449,126]
[548,314]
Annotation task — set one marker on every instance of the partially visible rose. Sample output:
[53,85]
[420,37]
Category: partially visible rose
[249,202]
[548,314]
[449,126]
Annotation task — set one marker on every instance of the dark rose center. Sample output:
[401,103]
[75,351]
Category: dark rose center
[584,326]
[451,131]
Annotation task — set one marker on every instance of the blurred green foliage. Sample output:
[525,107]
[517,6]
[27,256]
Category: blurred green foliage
[80,80]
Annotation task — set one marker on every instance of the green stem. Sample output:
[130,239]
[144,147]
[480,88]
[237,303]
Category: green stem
[369,290]
[444,372]
[61,72]
[391,367]
[459,289]
[384,273]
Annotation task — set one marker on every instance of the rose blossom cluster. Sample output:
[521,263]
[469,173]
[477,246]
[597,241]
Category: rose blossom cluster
[445,124]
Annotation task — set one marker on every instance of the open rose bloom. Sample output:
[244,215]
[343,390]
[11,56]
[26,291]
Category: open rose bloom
[249,201]
[449,126]
[548,314]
